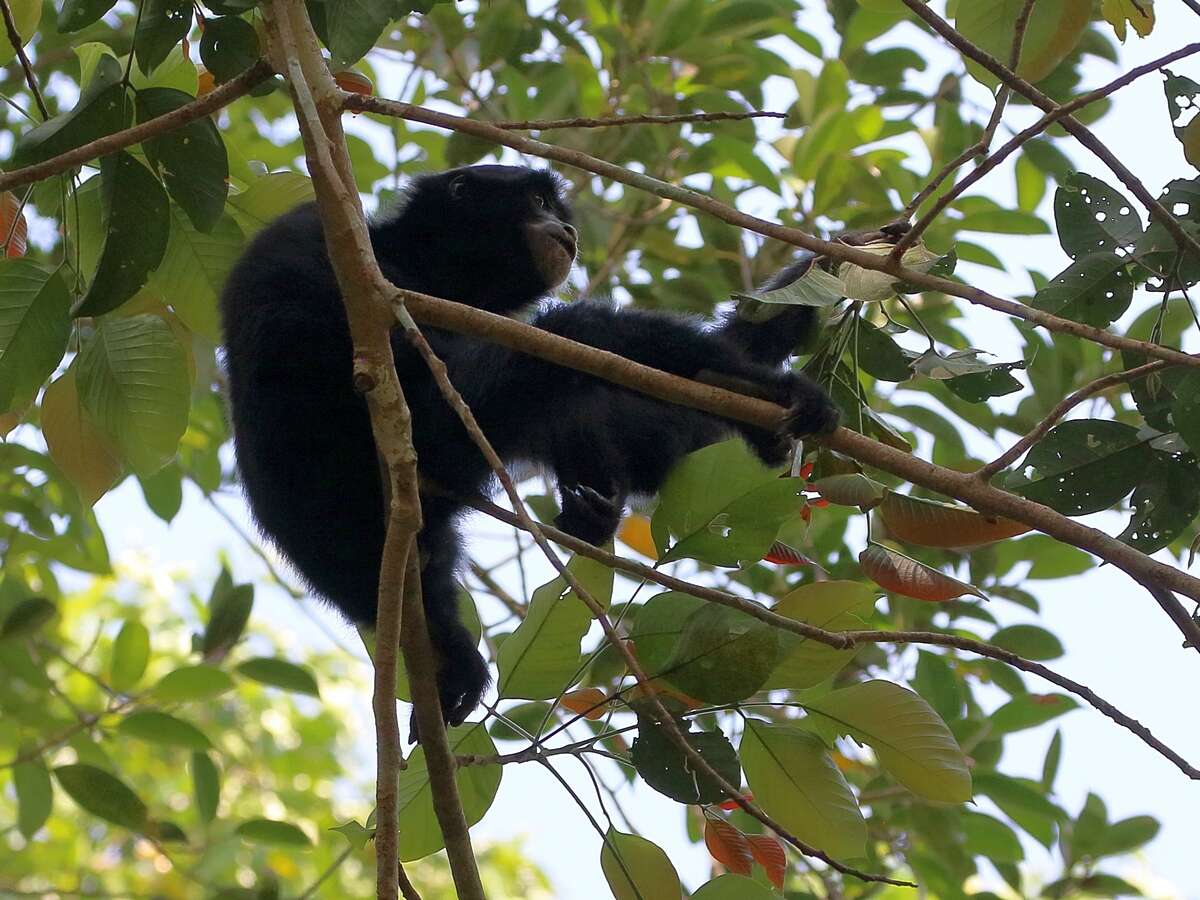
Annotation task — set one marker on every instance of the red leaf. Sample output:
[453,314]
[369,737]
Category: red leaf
[733,804]
[784,555]
[768,852]
[728,846]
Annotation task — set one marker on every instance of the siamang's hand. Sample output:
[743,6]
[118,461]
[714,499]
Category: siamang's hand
[589,515]
[810,414]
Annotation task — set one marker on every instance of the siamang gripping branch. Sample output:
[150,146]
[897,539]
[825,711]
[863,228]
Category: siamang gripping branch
[499,238]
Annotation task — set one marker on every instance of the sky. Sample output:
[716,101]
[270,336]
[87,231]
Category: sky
[1117,640]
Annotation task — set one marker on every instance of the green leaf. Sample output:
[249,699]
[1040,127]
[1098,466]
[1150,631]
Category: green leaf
[1054,29]
[637,869]
[35,324]
[1051,762]
[1029,641]
[228,611]
[133,379]
[723,655]
[192,159]
[734,887]
[1095,289]
[1165,503]
[26,617]
[35,796]
[1023,802]
[27,14]
[420,834]
[1029,711]
[936,682]
[163,491]
[1093,218]
[130,654]
[269,197]
[665,768]
[103,108]
[206,785]
[75,15]
[162,728]
[980,386]
[194,268]
[281,674]
[355,834]
[191,683]
[540,658]
[908,737]
[1126,836]
[797,784]
[990,838]
[1185,411]
[1082,466]
[163,24]
[832,605]
[878,355]
[354,27]
[103,795]
[273,833]
[229,47]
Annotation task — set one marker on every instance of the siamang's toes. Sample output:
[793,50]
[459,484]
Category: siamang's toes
[460,690]
[589,515]
[810,411]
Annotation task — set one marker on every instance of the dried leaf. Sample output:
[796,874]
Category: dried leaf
[903,575]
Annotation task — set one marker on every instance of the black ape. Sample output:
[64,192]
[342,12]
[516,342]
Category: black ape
[498,238]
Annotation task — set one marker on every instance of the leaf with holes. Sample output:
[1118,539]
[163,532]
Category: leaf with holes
[133,380]
[35,324]
[1120,13]
[930,523]
[637,869]
[1183,94]
[1092,217]
[1082,466]
[798,785]
[192,159]
[910,740]
[1095,289]
[903,575]
[162,25]
[728,846]
[831,605]
[1165,502]
[137,222]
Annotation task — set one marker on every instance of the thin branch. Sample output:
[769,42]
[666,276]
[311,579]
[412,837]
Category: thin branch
[1193,5]
[1013,453]
[1073,127]
[511,603]
[456,402]
[833,249]
[1027,134]
[176,118]
[620,121]
[14,37]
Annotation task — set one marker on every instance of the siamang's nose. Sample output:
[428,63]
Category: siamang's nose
[572,232]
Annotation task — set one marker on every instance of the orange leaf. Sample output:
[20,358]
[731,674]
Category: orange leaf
[903,575]
[933,524]
[205,82]
[12,220]
[728,846]
[590,703]
[634,533]
[784,555]
[733,804]
[354,82]
[769,853]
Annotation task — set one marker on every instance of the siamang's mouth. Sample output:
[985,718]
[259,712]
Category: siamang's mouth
[566,243]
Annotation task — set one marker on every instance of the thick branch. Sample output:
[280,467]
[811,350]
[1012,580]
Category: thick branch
[832,249]
[176,118]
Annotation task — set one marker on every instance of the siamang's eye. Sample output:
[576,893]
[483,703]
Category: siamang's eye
[458,188]
[539,202]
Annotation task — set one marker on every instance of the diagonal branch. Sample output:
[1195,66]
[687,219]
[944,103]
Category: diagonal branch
[14,38]
[620,121]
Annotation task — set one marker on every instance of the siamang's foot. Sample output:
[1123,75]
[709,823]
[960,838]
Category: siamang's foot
[462,682]
[810,414]
[589,515]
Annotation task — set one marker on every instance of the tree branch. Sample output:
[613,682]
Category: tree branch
[14,37]
[619,121]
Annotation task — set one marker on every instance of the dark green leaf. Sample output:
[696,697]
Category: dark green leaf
[35,324]
[162,728]
[1165,503]
[163,491]
[723,655]
[229,47]
[75,15]
[163,24]
[191,159]
[137,223]
[1050,764]
[1185,411]
[980,386]
[228,611]
[1093,218]
[354,26]
[665,768]
[879,356]
[206,786]
[27,617]
[103,795]
[102,109]
[1095,289]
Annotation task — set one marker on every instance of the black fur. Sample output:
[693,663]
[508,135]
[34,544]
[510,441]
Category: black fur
[303,438]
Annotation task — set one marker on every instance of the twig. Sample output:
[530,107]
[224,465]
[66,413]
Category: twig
[14,37]
[311,890]
[833,249]
[1073,127]
[1013,453]
[497,590]
[176,118]
[1026,135]
[618,121]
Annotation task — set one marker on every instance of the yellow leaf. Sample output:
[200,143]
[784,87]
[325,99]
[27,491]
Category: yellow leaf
[591,703]
[74,441]
[634,533]
[1138,13]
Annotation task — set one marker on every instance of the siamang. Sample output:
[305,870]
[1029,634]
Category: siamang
[499,238]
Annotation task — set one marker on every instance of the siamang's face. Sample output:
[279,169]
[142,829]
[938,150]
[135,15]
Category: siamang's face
[517,216]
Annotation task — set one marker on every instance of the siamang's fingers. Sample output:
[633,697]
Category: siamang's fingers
[810,411]
[589,515]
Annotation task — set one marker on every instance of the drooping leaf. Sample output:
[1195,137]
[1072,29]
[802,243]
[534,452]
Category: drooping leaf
[635,534]
[103,795]
[420,834]
[75,15]
[134,382]
[35,324]
[163,491]
[192,160]
[797,784]
[206,785]
[728,846]
[281,674]
[1082,466]
[591,703]
[768,851]
[1182,94]
[163,728]
[354,27]
[1120,13]
[636,868]
[929,523]
[909,739]
[850,489]
[666,768]
[1165,503]
[228,612]
[904,575]
[130,654]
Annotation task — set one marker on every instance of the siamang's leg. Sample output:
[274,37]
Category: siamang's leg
[462,673]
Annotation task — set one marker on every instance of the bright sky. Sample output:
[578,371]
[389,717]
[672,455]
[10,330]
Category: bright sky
[1117,640]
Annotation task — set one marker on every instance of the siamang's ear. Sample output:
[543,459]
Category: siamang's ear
[458,187]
